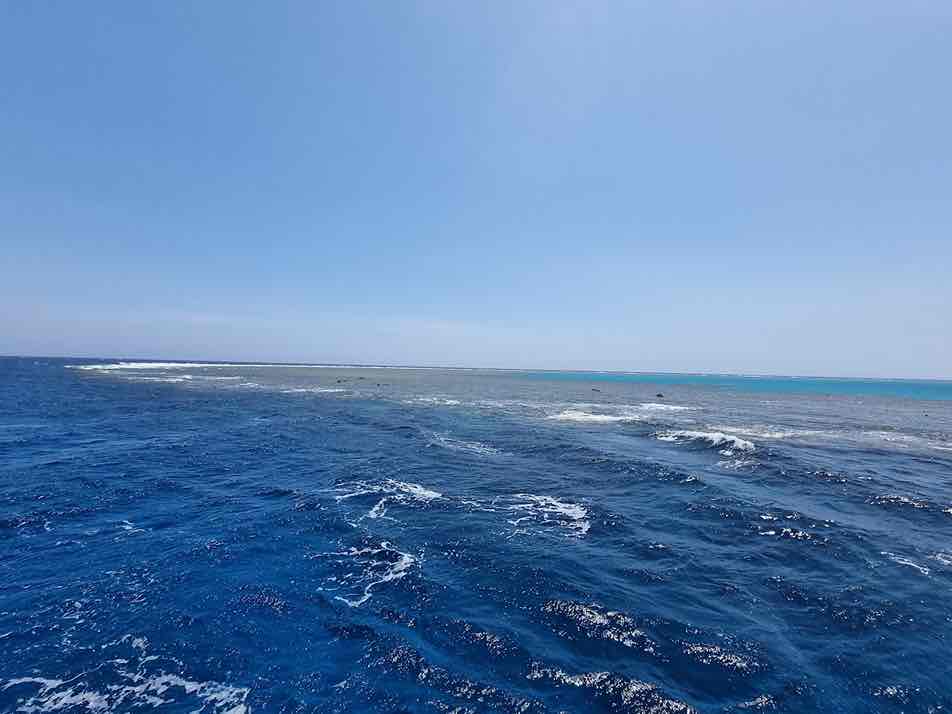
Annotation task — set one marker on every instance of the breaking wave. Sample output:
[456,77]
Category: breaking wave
[715,439]
[134,680]
[391,492]
[588,417]
[658,407]
[438,401]
[366,569]
[545,510]
[313,390]
[453,444]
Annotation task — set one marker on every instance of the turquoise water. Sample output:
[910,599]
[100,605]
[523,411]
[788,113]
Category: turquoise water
[931,389]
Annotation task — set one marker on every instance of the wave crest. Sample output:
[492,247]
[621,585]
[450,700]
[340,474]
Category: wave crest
[589,417]
[714,439]
[139,682]
[375,566]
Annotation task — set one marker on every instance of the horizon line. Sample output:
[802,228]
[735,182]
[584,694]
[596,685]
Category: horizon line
[356,365]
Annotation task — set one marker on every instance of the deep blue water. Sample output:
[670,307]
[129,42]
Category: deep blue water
[241,538]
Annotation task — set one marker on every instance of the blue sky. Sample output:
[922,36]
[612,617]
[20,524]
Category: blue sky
[755,187]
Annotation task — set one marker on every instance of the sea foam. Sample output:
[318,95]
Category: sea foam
[588,417]
[375,566]
[713,438]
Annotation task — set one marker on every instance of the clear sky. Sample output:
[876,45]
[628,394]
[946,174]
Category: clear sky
[681,186]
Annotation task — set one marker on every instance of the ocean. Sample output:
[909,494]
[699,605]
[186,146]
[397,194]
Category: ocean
[193,537]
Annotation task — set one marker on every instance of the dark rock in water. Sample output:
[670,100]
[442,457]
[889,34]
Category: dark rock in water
[659,395]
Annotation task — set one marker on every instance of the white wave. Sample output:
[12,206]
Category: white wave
[170,380]
[657,407]
[944,558]
[376,567]
[141,684]
[895,439]
[578,415]
[147,365]
[546,510]
[772,432]
[391,490]
[174,378]
[441,401]
[111,366]
[901,560]
[891,438]
[534,513]
[714,438]
[473,447]
[392,486]
[313,390]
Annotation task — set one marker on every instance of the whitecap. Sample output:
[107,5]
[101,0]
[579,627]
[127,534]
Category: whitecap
[313,390]
[547,510]
[714,438]
[377,566]
[473,447]
[140,683]
[170,380]
[578,415]
[147,365]
[439,401]
[657,407]
[771,432]
[391,486]
[111,366]
[392,492]
[905,441]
